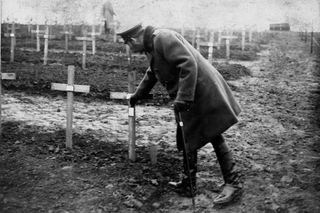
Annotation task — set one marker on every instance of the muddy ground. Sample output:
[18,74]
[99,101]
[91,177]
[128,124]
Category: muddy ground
[275,144]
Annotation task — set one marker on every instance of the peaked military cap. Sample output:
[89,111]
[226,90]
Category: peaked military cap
[130,32]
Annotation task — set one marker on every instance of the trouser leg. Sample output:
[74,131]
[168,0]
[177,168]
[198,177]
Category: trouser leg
[226,162]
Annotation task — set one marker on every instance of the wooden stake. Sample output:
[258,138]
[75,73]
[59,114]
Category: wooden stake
[46,38]
[70,88]
[38,38]
[93,36]
[182,30]
[193,37]
[228,38]
[250,36]
[198,40]
[115,24]
[132,111]
[243,39]
[13,43]
[210,50]
[219,39]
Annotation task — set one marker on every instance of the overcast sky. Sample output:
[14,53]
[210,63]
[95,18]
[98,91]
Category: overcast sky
[171,13]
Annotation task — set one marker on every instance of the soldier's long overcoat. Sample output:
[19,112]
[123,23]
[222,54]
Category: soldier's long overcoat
[188,76]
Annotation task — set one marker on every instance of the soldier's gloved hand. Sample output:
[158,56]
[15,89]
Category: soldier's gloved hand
[133,99]
[182,106]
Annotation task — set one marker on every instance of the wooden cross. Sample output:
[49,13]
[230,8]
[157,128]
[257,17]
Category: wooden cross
[13,42]
[4,76]
[67,35]
[70,88]
[228,38]
[93,39]
[250,36]
[198,40]
[46,38]
[219,39]
[210,46]
[243,39]
[131,110]
[115,26]
[38,32]
[84,49]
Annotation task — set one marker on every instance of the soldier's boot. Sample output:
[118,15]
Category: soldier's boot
[187,186]
[232,188]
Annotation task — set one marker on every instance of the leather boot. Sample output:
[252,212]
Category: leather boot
[233,186]
[187,186]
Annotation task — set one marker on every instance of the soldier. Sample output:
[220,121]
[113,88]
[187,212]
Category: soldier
[108,14]
[201,98]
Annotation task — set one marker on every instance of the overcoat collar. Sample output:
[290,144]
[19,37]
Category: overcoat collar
[148,39]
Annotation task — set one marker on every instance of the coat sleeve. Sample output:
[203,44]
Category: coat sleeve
[174,50]
[146,84]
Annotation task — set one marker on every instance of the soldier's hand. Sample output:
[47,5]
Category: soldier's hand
[133,99]
[182,106]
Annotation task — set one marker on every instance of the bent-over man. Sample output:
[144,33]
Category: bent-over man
[201,98]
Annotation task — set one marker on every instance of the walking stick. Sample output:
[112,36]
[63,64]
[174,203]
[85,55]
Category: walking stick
[187,160]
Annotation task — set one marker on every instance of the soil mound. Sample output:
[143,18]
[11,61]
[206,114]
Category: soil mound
[232,71]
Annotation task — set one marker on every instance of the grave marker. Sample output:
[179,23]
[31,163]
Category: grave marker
[193,37]
[210,50]
[67,34]
[84,49]
[70,88]
[131,110]
[243,39]
[38,32]
[46,38]
[250,36]
[13,42]
[219,39]
[115,26]
[93,39]
[198,40]
[228,38]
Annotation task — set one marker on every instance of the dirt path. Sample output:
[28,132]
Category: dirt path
[275,144]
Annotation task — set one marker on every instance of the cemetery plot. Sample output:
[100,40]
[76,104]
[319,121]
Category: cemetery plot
[274,143]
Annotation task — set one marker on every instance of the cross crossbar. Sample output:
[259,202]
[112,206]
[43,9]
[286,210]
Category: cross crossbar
[70,88]
[84,38]
[8,76]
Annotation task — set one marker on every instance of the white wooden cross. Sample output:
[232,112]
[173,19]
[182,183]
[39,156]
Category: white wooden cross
[84,49]
[70,88]
[93,39]
[38,32]
[198,36]
[67,35]
[13,42]
[131,110]
[210,46]
[243,39]
[219,39]
[228,38]
[46,41]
